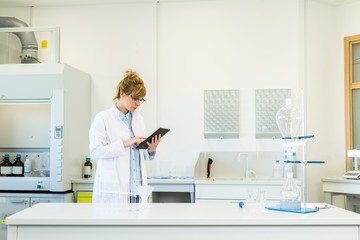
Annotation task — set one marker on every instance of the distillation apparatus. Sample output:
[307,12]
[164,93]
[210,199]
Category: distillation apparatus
[289,120]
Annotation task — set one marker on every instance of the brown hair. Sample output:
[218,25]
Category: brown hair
[132,84]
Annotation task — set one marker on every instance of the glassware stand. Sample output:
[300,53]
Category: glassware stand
[289,144]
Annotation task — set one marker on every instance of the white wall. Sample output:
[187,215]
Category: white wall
[203,45]
[182,48]
[347,24]
[104,40]
[324,98]
[327,25]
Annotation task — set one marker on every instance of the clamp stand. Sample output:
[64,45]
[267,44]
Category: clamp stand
[289,143]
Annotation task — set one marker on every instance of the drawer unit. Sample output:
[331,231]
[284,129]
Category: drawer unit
[236,190]
[11,203]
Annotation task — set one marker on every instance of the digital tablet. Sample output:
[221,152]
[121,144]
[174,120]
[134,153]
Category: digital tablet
[161,131]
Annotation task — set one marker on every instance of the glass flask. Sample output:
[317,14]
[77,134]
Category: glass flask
[290,194]
[288,119]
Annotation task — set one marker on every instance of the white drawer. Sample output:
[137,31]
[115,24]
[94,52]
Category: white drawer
[233,191]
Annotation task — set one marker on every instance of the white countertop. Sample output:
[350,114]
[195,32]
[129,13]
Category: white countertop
[222,180]
[176,214]
[241,181]
[150,180]
[83,180]
[340,180]
[339,185]
[170,181]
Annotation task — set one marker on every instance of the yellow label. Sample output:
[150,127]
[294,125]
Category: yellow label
[84,200]
[43,43]
[3,221]
[84,197]
[84,194]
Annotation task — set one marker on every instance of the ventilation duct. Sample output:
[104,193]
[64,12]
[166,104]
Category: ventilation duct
[28,41]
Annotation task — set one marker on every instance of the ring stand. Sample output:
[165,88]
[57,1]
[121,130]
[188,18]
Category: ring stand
[289,143]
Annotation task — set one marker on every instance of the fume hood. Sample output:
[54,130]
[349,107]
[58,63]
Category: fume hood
[45,112]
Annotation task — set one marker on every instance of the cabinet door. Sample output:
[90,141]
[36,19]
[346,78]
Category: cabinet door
[37,200]
[236,192]
[9,206]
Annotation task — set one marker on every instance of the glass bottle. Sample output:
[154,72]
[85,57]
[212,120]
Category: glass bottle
[88,168]
[278,170]
[6,167]
[290,194]
[27,166]
[18,167]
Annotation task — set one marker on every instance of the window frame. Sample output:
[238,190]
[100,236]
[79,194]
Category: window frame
[349,87]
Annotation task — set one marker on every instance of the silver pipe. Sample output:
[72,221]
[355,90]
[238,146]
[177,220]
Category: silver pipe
[27,39]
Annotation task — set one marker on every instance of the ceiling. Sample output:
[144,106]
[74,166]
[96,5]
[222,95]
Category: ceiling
[43,3]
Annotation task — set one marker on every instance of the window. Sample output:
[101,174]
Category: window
[352,94]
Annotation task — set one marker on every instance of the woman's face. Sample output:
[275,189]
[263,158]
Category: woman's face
[129,102]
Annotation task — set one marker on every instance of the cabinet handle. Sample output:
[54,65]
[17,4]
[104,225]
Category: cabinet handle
[19,201]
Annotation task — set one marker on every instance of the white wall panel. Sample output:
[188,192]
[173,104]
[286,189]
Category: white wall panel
[105,40]
[327,26]
[242,45]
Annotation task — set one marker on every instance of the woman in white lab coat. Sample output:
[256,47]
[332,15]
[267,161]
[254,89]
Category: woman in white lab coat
[114,135]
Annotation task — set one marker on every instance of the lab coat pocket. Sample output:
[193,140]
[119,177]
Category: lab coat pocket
[108,182]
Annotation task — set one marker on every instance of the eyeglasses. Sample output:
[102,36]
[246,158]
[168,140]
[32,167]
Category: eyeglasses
[137,99]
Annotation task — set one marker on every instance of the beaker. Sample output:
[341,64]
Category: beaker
[139,198]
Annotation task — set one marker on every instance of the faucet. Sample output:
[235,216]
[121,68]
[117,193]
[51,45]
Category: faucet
[248,172]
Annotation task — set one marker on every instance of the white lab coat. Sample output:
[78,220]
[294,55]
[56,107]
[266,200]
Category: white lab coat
[107,133]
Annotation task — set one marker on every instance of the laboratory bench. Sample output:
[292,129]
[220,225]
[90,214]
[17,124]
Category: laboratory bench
[179,221]
[341,186]
[165,189]
[231,179]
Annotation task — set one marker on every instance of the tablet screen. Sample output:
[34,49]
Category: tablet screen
[161,131]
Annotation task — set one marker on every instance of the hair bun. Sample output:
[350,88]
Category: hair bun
[130,73]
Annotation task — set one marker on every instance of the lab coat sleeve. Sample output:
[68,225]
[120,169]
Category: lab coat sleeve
[152,155]
[99,144]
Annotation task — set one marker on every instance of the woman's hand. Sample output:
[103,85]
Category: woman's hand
[154,143]
[134,141]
